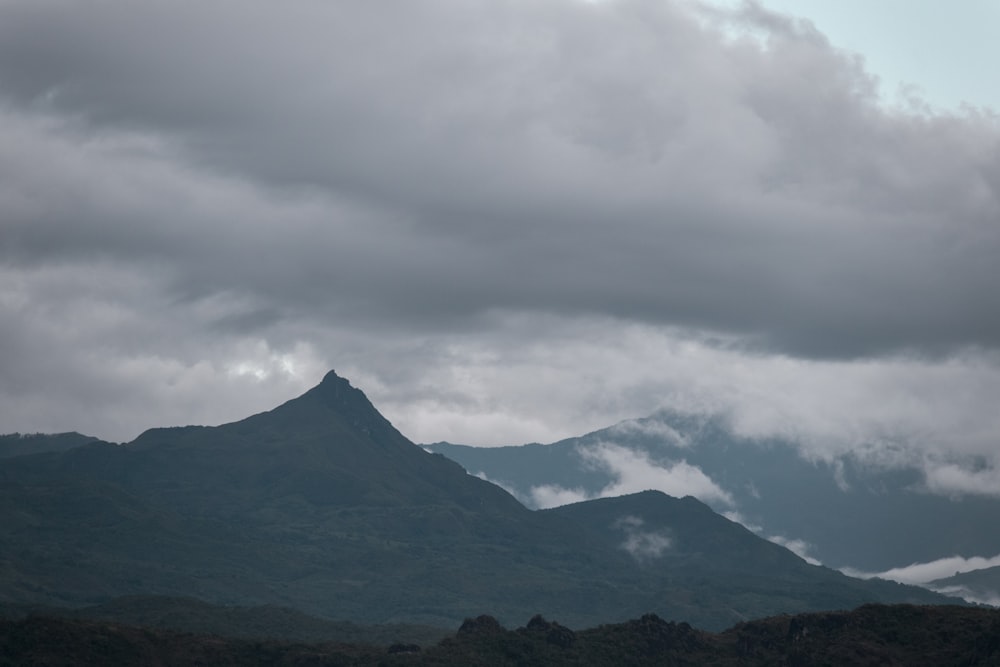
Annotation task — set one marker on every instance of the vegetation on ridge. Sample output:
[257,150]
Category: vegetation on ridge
[871,635]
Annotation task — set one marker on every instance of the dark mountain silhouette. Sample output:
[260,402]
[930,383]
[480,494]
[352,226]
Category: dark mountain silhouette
[329,448]
[266,622]
[321,505]
[869,636]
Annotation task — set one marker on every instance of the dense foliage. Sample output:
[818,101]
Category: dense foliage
[262,622]
[871,635]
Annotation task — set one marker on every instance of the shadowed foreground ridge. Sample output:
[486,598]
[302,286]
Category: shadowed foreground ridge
[871,635]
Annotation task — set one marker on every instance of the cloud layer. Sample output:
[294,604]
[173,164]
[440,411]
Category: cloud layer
[505,221]
[633,472]
[643,545]
[925,573]
[922,573]
[624,159]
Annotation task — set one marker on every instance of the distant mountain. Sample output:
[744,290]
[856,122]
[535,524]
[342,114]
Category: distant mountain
[847,513]
[870,635]
[321,505]
[981,586]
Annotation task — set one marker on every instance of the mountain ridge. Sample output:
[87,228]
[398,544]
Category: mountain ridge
[22,444]
[322,505]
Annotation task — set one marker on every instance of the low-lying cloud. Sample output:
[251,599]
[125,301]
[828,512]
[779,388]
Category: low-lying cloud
[991,598]
[633,471]
[952,479]
[546,496]
[923,573]
[799,547]
[643,545]
[651,428]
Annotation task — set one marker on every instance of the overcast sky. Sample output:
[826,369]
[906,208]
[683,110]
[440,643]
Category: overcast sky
[505,221]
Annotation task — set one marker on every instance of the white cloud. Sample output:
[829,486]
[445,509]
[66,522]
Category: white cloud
[553,495]
[951,479]
[483,476]
[991,598]
[651,427]
[643,545]
[800,548]
[889,413]
[736,517]
[634,472]
[922,573]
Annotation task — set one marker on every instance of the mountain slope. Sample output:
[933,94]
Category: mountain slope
[708,562]
[22,444]
[321,505]
[329,446]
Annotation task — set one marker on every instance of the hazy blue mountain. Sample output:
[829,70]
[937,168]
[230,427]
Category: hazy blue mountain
[979,585]
[849,514]
[321,505]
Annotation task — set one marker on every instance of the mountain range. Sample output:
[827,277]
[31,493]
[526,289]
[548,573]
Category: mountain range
[844,512]
[980,586]
[323,506]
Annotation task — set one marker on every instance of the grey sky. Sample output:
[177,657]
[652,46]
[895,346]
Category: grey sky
[505,221]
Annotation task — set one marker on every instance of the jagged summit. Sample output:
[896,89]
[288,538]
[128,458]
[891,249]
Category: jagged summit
[337,392]
[329,446]
[333,408]
[332,404]
[332,378]
[335,385]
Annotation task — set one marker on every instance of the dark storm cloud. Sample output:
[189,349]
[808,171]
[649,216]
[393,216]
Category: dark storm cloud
[506,221]
[425,163]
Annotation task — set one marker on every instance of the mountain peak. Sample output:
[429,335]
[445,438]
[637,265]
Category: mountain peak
[332,404]
[332,409]
[338,393]
[332,378]
[335,387]
[340,389]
